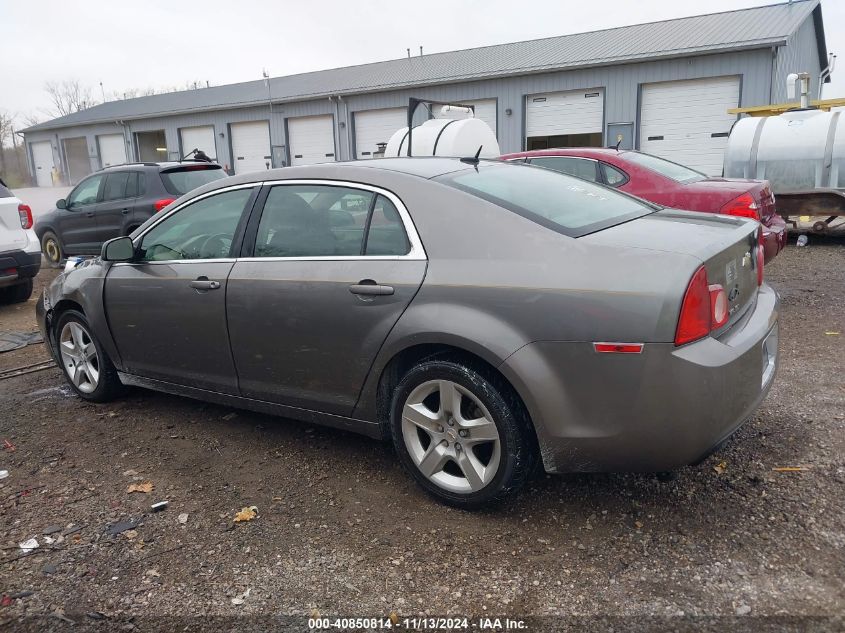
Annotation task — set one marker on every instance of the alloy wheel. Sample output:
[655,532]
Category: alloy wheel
[79,356]
[451,436]
[52,251]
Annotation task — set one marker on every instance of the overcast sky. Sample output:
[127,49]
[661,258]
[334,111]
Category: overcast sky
[158,43]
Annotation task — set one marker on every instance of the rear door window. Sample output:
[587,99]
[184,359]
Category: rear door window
[115,187]
[134,185]
[181,180]
[329,221]
[557,201]
[578,167]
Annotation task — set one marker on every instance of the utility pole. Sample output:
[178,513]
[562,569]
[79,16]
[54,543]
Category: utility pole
[103,91]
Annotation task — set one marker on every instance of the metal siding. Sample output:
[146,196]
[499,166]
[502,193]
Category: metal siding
[619,82]
[801,54]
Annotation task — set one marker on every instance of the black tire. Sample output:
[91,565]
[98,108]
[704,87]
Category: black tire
[518,454]
[108,386]
[18,293]
[52,249]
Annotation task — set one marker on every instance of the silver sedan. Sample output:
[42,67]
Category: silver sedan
[486,317]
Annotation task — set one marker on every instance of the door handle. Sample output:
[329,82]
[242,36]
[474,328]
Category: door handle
[204,283]
[125,211]
[89,214]
[367,287]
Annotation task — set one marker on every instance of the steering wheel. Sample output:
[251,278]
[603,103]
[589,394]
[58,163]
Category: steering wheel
[209,248]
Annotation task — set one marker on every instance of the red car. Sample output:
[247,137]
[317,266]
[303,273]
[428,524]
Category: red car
[668,184]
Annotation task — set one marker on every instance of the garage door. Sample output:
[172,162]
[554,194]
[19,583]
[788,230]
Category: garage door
[687,121]
[42,158]
[112,149]
[376,126]
[250,146]
[201,138]
[76,157]
[565,119]
[311,140]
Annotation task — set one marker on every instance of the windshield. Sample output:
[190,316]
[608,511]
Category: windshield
[557,201]
[182,180]
[671,170]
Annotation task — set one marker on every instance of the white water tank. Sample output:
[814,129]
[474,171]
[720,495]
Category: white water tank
[446,137]
[796,151]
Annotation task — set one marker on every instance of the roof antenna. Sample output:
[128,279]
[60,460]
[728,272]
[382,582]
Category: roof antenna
[473,160]
[618,143]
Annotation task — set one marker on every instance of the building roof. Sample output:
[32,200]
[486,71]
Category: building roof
[756,27]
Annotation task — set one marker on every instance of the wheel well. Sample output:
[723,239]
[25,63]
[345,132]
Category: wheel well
[402,362]
[63,306]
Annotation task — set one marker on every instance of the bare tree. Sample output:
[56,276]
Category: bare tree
[7,124]
[69,97]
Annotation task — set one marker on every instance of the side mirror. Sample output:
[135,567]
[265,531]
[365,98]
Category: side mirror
[119,249]
[61,204]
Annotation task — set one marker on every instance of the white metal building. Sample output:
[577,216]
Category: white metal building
[663,87]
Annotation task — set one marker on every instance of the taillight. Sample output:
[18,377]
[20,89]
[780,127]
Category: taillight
[745,206]
[704,309]
[158,205]
[718,306]
[25,214]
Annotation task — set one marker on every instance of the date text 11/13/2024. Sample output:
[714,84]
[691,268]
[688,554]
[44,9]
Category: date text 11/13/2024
[417,624]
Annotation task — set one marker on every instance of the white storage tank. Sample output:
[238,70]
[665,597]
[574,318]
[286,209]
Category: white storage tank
[446,137]
[795,151]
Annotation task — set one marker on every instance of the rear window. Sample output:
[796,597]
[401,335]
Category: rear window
[667,168]
[181,180]
[557,201]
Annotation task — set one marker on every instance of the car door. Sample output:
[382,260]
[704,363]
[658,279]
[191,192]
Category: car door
[77,222]
[115,209]
[327,271]
[584,168]
[166,308]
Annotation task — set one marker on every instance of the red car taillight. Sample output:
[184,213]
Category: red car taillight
[744,206]
[25,214]
[704,309]
[158,205]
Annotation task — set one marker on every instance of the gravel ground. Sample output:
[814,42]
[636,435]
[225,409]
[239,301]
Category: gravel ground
[341,530]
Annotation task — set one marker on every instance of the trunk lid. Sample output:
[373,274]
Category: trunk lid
[725,245]
[720,191]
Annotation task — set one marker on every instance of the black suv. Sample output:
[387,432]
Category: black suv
[114,202]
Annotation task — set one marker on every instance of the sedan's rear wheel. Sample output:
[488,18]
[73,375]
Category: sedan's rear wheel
[463,437]
[88,369]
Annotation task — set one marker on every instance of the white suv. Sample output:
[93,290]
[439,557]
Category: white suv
[20,251]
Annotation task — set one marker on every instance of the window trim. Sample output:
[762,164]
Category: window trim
[245,214]
[416,252]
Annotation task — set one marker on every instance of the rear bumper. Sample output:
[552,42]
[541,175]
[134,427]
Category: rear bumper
[656,411]
[18,265]
[774,237]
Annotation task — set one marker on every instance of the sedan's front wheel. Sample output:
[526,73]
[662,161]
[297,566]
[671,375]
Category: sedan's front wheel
[88,369]
[462,436]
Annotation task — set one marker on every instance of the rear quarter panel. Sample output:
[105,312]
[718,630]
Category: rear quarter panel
[497,281]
